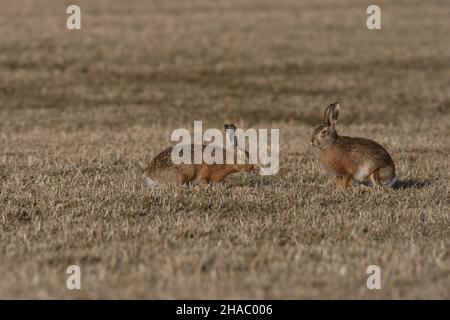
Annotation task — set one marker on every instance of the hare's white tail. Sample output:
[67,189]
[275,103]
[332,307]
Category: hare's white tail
[152,184]
[387,176]
[392,182]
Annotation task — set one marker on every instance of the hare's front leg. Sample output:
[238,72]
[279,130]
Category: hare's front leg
[375,178]
[346,181]
[202,176]
[338,182]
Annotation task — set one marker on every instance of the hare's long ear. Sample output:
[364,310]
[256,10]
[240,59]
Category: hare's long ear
[230,133]
[326,115]
[334,113]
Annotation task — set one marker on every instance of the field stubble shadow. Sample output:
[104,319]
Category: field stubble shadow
[409,184]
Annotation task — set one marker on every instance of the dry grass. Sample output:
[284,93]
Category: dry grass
[81,113]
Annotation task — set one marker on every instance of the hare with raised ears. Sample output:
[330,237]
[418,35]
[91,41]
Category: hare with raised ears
[362,160]
[162,170]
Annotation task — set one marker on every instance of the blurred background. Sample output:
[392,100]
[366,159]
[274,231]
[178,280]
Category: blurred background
[141,62]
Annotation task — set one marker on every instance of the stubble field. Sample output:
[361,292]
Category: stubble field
[82,113]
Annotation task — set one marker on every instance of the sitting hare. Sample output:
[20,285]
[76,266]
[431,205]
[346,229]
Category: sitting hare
[344,157]
[162,170]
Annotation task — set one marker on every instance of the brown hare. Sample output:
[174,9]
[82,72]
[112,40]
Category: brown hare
[162,170]
[362,160]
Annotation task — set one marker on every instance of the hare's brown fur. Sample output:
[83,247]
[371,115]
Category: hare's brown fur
[163,171]
[361,159]
[349,158]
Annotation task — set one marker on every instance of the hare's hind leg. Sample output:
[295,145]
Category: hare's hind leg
[178,176]
[184,174]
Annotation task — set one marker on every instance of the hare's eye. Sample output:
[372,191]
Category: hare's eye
[324,132]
